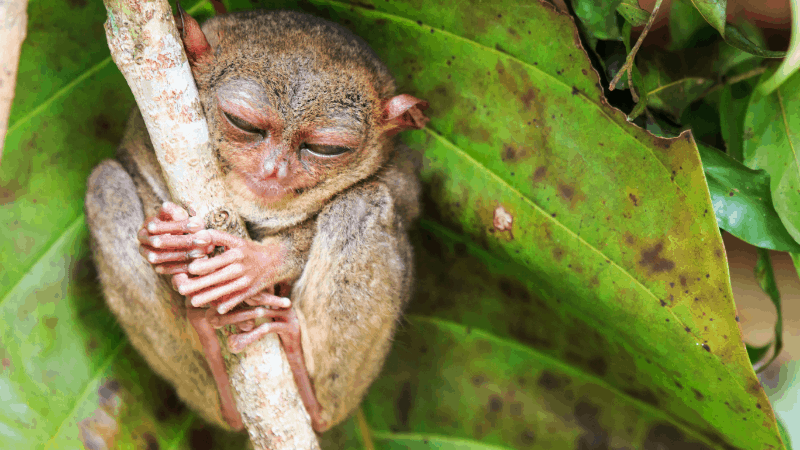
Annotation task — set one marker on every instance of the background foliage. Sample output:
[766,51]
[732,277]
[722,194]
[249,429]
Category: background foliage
[602,317]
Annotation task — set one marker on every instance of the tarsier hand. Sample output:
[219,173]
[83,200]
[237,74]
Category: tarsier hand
[177,244]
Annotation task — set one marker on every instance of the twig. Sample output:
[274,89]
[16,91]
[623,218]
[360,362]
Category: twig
[628,66]
[146,47]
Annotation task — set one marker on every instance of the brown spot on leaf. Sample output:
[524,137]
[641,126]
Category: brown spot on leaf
[654,261]
[540,173]
[634,199]
[51,322]
[528,98]
[150,441]
[598,365]
[495,404]
[645,395]
[551,381]
[665,436]
[698,395]
[566,191]
[514,289]
[509,154]
[595,436]
[527,438]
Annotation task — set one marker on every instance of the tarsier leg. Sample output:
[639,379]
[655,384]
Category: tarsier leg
[288,329]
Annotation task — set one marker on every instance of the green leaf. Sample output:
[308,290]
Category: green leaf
[713,11]
[629,9]
[731,57]
[736,38]
[766,279]
[734,100]
[742,202]
[770,144]
[606,306]
[687,27]
[673,97]
[599,18]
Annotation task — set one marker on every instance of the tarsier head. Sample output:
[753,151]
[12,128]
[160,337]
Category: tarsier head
[299,109]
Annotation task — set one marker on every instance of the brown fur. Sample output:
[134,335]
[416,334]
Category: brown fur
[351,261]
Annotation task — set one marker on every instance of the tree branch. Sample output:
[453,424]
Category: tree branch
[146,47]
[13,27]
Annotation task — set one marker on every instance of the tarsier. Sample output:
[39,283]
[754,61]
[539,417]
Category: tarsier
[302,116]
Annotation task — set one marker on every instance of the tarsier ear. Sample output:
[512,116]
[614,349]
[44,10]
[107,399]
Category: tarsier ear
[194,41]
[402,112]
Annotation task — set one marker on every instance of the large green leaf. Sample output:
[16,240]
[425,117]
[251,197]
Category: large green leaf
[771,143]
[602,315]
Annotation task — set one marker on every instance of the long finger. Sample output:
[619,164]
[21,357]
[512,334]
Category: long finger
[194,285]
[215,293]
[171,211]
[221,320]
[205,266]
[220,238]
[155,225]
[172,268]
[267,299]
[163,256]
[170,241]
[229,303]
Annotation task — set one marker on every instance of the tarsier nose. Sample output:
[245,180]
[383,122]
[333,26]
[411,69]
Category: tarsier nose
[269,168]
[283,169]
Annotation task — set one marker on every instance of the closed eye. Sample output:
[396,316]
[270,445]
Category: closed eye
[242,124]
[324,150]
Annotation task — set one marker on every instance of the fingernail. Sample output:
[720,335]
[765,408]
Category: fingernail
[286,302]
[151,227]
[159,269]
[156,242]
[151,257]
[196,253]
[200,242]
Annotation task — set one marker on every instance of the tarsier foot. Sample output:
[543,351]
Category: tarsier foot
[287,327]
